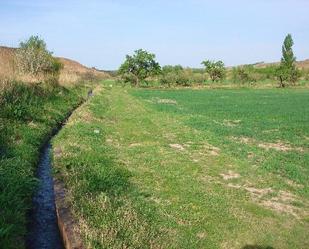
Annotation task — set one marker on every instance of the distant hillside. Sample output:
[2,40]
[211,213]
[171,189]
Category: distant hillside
[300,64]
[72,70]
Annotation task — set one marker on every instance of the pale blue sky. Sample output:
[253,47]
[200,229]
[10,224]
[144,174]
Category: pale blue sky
[101,32]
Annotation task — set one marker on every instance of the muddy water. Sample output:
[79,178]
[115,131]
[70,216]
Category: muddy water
[43,228]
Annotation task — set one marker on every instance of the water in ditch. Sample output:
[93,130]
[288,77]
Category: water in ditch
[43,228]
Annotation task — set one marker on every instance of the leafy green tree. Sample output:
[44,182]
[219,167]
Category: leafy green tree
[215,69]
[139,66]
[34,58]
[287,71]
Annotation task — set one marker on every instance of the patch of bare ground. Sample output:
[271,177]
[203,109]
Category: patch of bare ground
[278,201]
[294,184]
[278,146]
[169,136]
[212,150]
[87,117]
[201,151]
[244,140]
[230,175]
[135,145]
[113,142]
[177,146]
[228,123]
[250,155]
[57,152]
[167,101]
[32,124]
[163,101]
[271,131]
[201,235]
[109,140]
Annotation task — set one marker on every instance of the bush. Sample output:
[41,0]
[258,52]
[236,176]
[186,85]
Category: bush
[244,74]
[177,75]
[183,78]
[215,69]
[266,73]
[198,78]
[168,79]
[306,74]
[19,101]
[33,58]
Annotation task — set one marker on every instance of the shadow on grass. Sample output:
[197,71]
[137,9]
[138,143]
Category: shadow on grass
[257,247]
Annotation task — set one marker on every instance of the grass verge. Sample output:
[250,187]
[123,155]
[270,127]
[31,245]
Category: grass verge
[28,115]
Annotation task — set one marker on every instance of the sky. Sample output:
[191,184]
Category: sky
[101,32]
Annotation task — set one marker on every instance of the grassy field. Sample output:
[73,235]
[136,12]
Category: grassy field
[28,114]
[188,168]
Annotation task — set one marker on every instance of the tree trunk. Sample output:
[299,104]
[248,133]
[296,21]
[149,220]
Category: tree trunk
[137,82]
[281,84]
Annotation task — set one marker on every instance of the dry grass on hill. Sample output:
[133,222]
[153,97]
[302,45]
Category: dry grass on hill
[6,62]
[71,73]
[300,64]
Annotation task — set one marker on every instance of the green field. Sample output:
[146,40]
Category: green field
[188,168]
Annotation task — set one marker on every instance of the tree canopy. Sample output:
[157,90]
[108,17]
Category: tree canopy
[287,71]
[34,58]
[215,69]
[139,66]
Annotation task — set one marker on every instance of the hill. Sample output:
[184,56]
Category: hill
[300,64]
[72,70]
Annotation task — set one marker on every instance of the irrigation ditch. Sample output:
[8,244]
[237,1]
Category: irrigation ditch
[50,223]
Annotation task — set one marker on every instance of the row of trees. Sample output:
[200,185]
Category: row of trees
[142,65]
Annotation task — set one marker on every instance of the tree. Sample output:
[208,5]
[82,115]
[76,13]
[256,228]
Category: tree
[34,58]
[215,69]
[287,71]
[139,66]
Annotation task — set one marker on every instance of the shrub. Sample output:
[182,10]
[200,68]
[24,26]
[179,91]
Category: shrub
[198,78]
[172,69]
[306,74]
[18,99]
[266,73]
[33,58]
[215,69]
[183,78]
[244,74]
[177,75]
[168,79]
